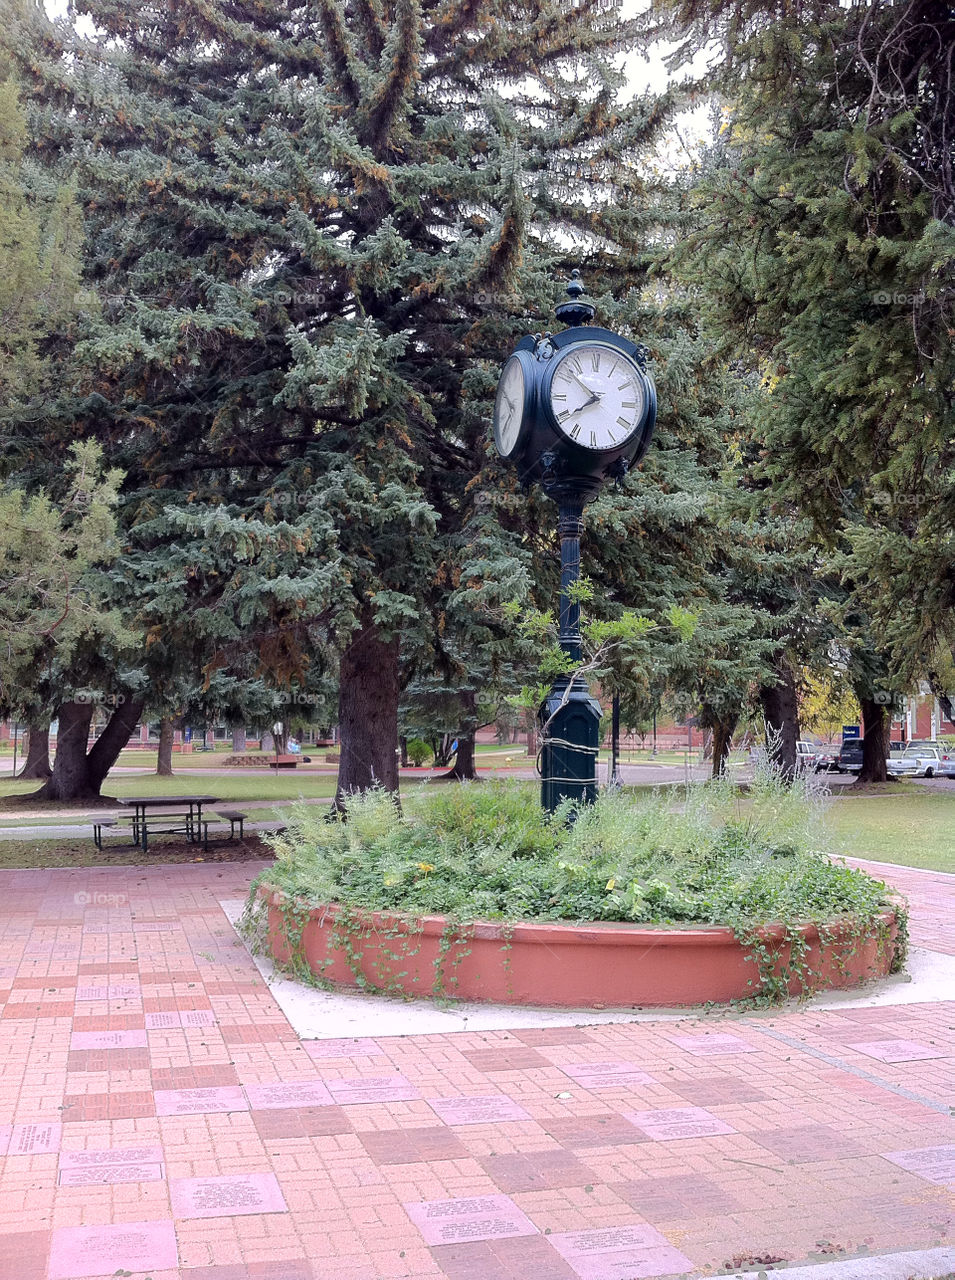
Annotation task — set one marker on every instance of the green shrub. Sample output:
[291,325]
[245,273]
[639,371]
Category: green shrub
[419,752]
[706,854]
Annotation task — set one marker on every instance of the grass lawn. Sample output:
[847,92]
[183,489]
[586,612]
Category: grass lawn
[227,786]
[915,828]
[911,825]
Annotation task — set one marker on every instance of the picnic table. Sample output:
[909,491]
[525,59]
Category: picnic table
[184,811]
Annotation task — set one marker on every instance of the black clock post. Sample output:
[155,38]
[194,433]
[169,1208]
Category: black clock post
[573,410]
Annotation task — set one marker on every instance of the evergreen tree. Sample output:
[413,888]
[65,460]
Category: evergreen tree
[823,256]
[315,233]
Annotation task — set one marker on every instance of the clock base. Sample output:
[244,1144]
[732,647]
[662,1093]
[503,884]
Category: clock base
[570,728]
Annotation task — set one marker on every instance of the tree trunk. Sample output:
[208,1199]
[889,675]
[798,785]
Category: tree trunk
[464,768]
[722,741]
[781,713]
[38,753]
[368,713]
[76,774]
[875,742]
[530,728]
[238,738]
[166,734]
[403,747]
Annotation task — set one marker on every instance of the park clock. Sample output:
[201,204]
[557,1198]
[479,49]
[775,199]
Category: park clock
[573,410]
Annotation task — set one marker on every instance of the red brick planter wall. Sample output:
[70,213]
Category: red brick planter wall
[566,965]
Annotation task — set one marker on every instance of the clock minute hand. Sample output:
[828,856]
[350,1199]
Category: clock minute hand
[580,382]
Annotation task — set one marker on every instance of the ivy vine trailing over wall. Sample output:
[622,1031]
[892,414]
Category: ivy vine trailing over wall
[706,855]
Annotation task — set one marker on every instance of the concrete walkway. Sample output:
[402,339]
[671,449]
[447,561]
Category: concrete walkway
[162,1116]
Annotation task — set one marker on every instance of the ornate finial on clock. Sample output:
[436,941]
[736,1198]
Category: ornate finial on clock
[580,309]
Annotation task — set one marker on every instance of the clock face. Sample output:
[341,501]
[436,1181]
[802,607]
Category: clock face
[509,407]
[597,396]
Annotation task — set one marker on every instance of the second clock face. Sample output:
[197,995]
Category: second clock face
[509,407]
[597,396]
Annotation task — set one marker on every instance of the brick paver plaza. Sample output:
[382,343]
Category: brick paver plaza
[161,1117]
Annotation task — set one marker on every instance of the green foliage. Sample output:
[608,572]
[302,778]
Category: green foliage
[483,851]
[821,257]
[53,557]
[313,235]
[418,752]
[39,240]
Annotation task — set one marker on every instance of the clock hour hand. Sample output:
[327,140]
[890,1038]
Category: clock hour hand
[594,399]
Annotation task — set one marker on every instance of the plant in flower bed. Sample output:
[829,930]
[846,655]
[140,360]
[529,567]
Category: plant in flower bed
[707,855]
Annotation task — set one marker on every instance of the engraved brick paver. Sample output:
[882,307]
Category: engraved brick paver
[226,1197]
[620,1253]
[79,1252]
[471,1218]
[160,1116]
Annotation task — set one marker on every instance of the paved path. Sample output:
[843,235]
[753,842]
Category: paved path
[162,1118]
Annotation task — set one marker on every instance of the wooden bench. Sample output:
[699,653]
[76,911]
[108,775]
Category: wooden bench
[284,762]
[234,818]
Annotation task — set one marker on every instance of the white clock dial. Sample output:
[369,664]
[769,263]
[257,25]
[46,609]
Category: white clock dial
[597,396]
[509,407]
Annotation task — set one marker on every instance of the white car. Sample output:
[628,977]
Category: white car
[922,762]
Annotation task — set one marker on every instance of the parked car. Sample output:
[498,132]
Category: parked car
[849,759]
[918,761]
[805,756]
[826,759]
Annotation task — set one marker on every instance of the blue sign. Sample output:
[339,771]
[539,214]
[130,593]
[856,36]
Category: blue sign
[187,734]
[850,731]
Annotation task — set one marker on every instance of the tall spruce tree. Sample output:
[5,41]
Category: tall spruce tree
[824,257]
[315,232]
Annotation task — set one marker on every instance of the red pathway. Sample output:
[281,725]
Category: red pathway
[160,1117]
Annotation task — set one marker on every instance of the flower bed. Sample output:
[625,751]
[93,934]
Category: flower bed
[675,898]
[570,966]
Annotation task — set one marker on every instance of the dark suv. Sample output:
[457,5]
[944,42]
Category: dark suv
[849,759]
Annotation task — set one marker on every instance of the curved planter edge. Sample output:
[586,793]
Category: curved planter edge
[562,965]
